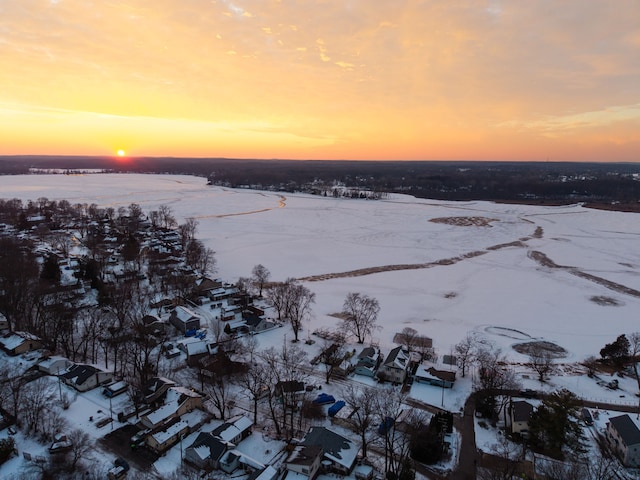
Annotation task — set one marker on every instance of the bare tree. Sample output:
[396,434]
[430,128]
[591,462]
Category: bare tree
[135,216]
[494,375]
[187,231]
[541,360]
[219,393]
[245,285]
[254,386]
[634,352]
[278,296]
[18,281]
[260,276]
[165,217]
[506,467]
[465,352]
[409,338]
[299,308]
[200,258]
[332,355]
[285,371]
[389,406]
[361,315]
[11,385]
[362,400]
[81,445]
[591,363]
[36,400]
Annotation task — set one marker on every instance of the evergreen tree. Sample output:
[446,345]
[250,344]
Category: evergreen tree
[617,351]
[555,425]
[51,270]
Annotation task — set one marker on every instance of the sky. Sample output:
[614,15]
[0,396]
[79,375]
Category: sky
[325,79]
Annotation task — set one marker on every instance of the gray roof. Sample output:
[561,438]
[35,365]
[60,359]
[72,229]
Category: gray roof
[336,447]
[216,446]
[521,410]
[627,429]
[80,373]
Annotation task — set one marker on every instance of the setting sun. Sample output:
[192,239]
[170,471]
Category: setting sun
[121,153]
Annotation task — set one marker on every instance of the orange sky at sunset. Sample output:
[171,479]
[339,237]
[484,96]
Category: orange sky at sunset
[351,79]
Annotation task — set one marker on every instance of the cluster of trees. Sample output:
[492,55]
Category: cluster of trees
[37,405]
[518,181]
[112,330]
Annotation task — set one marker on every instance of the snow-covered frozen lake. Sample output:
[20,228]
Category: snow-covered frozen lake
[453,279]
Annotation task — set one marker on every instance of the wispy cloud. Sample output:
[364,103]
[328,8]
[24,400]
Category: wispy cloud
[419,76]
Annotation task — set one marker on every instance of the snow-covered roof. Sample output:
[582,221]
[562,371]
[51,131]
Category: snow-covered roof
[336,448]
[161,414]
[397,358]
[268,473]
[16,339]
[232,428]
[175,429]
[202,451]
[50,362]
[184,314]
[175,397]
[247,460]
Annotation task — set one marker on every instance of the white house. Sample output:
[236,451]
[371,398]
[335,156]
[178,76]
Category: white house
[519,414]
[54,365]
[395,366]
[234,430]
[184,319]
[84,377]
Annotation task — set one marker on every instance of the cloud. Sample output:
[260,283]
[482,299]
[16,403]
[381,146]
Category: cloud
[405,70]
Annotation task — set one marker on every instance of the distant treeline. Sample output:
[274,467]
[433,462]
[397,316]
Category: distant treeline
[614,185]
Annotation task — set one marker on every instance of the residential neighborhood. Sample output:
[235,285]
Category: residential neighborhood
[132,344]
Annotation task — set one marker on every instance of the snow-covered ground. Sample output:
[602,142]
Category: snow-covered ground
[470,280]
[297,235]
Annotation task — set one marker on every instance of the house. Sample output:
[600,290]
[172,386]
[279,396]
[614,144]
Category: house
[304,460]
[231,314]
[267,473]
[234,459]
[623,437]
[432,376]
[85,377]
[369,360]
[256,323]
[395,366]
[519,414]
[156,388]
[234,430]
[290,391]
[54,365]
[114,389]
[153,324]
[339,453]
[162,440]
[205,285]
[20,342]
[205,452]
[179,401]
[195,348]
[184,319]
